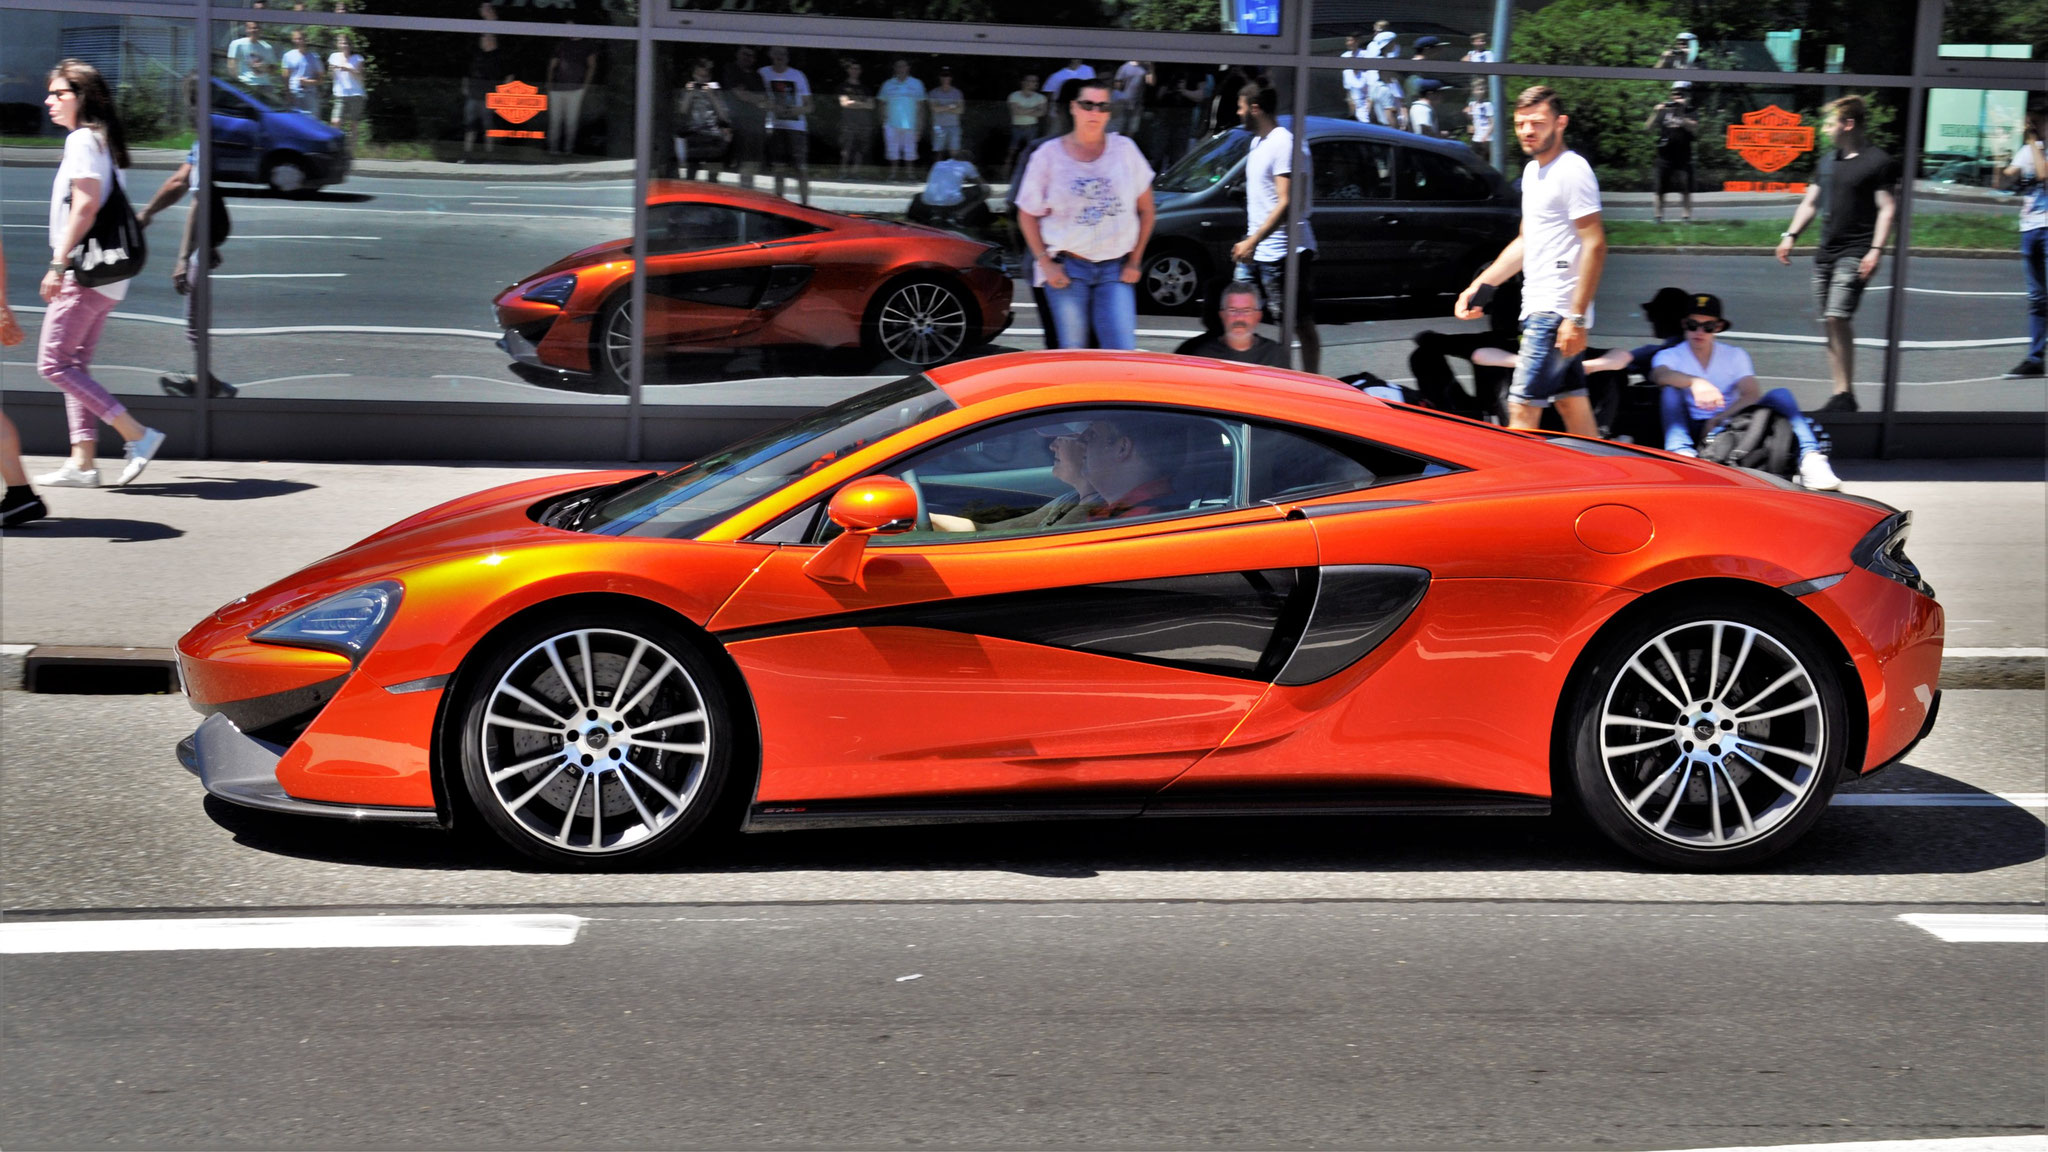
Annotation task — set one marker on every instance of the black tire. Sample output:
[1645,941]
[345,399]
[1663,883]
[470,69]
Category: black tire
[611,344]
[1176,281]
[920,322]
[661,761]
[1722,761]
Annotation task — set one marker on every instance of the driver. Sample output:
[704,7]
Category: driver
[1131,462]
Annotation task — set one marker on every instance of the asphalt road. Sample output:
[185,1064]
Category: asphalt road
[1423,983]
[380,289]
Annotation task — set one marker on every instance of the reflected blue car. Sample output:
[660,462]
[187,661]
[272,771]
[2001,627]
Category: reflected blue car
[257,142]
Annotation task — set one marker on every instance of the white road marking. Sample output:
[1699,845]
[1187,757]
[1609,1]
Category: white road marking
[1940,800]
[1945,1144]
[531,204]
[362,329]
[1941,291]
[290,379]
[1176,333]
[1983,928]
[1966,653]
[282,236]
[293,932]
[278,275]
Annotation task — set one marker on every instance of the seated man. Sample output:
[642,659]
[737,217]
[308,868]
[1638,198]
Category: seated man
[953,197]
[1240,340]
[1131,463]
[1697,377]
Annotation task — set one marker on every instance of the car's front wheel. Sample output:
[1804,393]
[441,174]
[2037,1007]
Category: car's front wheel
[594,739]
[1172,281]
[611,343]
[1708,736]
[287,176]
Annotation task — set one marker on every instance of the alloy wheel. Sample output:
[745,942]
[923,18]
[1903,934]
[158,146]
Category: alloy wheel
[922,324]
[594,741]
[1171,280]
[1712,735]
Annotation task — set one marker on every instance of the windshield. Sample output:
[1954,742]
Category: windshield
[693,498]
[1210,162]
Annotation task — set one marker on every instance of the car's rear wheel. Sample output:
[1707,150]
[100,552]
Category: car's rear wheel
[1172,281]
[611,343]
[1708,736]
[920,322]
[595,739]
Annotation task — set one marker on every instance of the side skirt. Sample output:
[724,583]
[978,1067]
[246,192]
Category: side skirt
[790,816]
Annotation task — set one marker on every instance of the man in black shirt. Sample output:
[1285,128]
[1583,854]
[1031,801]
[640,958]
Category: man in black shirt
[1240,340]
[1676,125]
[1857,224]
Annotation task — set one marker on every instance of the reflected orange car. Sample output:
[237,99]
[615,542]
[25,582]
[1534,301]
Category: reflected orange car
[732,268]
[1060,585]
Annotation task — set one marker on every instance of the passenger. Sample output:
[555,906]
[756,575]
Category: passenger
[1698,376]
[1072,507]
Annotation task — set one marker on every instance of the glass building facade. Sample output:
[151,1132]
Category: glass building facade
[635,229]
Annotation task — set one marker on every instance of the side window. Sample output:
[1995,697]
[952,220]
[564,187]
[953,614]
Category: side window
[764,226]
[1348,170]
[1073,469]
[1288,464]
[1429,176]
[686,227]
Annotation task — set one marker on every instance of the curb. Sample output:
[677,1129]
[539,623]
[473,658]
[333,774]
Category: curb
[92,671]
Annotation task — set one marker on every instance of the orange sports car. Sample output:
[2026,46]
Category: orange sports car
[1089,585]
[732,268]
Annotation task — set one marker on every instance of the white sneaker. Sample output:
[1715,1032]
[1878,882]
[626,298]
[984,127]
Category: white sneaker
[140,453]
[70,476]
[1816,473]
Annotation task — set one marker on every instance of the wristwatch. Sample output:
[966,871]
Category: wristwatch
[1576,319]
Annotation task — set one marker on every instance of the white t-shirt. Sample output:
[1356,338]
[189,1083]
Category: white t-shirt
[1130,81]
[2034,209]
[1272,156]
[1087,209]
[1553,196]
[301,70]
[85,156]
[1053,82]
[346,83]
[1729,364]
[786,92]
[1422,118]
[255,61]
[1356,80]
[1480,112]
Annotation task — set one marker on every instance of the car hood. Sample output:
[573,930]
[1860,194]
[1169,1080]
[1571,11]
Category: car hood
[601,253]
[494,520]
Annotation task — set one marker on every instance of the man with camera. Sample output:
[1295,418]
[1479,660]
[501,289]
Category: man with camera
[1677,125]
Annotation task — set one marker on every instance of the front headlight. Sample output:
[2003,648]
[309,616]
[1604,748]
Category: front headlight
[554,290]
[1883,551]
[347,623]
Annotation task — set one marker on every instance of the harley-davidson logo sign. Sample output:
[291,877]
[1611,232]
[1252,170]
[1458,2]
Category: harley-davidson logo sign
[1770,138]
[519,102]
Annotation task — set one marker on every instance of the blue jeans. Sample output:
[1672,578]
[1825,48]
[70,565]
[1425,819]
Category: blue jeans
[2033,257]
[1095,291]
[1679,429]
[1541,375]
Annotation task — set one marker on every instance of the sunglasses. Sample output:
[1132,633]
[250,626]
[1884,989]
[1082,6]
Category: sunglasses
[1704,325]
[1092,105]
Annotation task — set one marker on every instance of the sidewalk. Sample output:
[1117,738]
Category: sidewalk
[137,566]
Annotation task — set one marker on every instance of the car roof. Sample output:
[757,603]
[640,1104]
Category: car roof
[734,196]
[1332,127]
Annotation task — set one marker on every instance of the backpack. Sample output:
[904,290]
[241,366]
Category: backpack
[1756,437]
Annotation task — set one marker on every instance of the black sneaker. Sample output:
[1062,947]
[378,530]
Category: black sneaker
[2025,369]
[24,512]
[175,384]
[1840,402]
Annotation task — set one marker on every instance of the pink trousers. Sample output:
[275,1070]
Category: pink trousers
[71,330]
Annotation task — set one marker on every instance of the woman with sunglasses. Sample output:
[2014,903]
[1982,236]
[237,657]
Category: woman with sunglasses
[1699,375]
[1084,205]
[95,151]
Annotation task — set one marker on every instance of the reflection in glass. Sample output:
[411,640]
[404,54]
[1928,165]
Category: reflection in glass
[142,350]
[616,12]
[1977,304]
[1240,17]
[1725,35]
[369,238]
[1993,30]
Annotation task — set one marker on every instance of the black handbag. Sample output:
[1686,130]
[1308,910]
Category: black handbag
[113,250]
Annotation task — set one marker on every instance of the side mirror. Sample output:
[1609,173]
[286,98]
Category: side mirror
[868,506]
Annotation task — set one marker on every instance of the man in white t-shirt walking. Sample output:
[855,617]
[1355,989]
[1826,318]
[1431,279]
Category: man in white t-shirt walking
[1268,188]
[1561,251]
[2028,170]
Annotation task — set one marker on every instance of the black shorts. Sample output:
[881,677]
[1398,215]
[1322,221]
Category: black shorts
[1673,177]
[791,148]
[1271,276]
